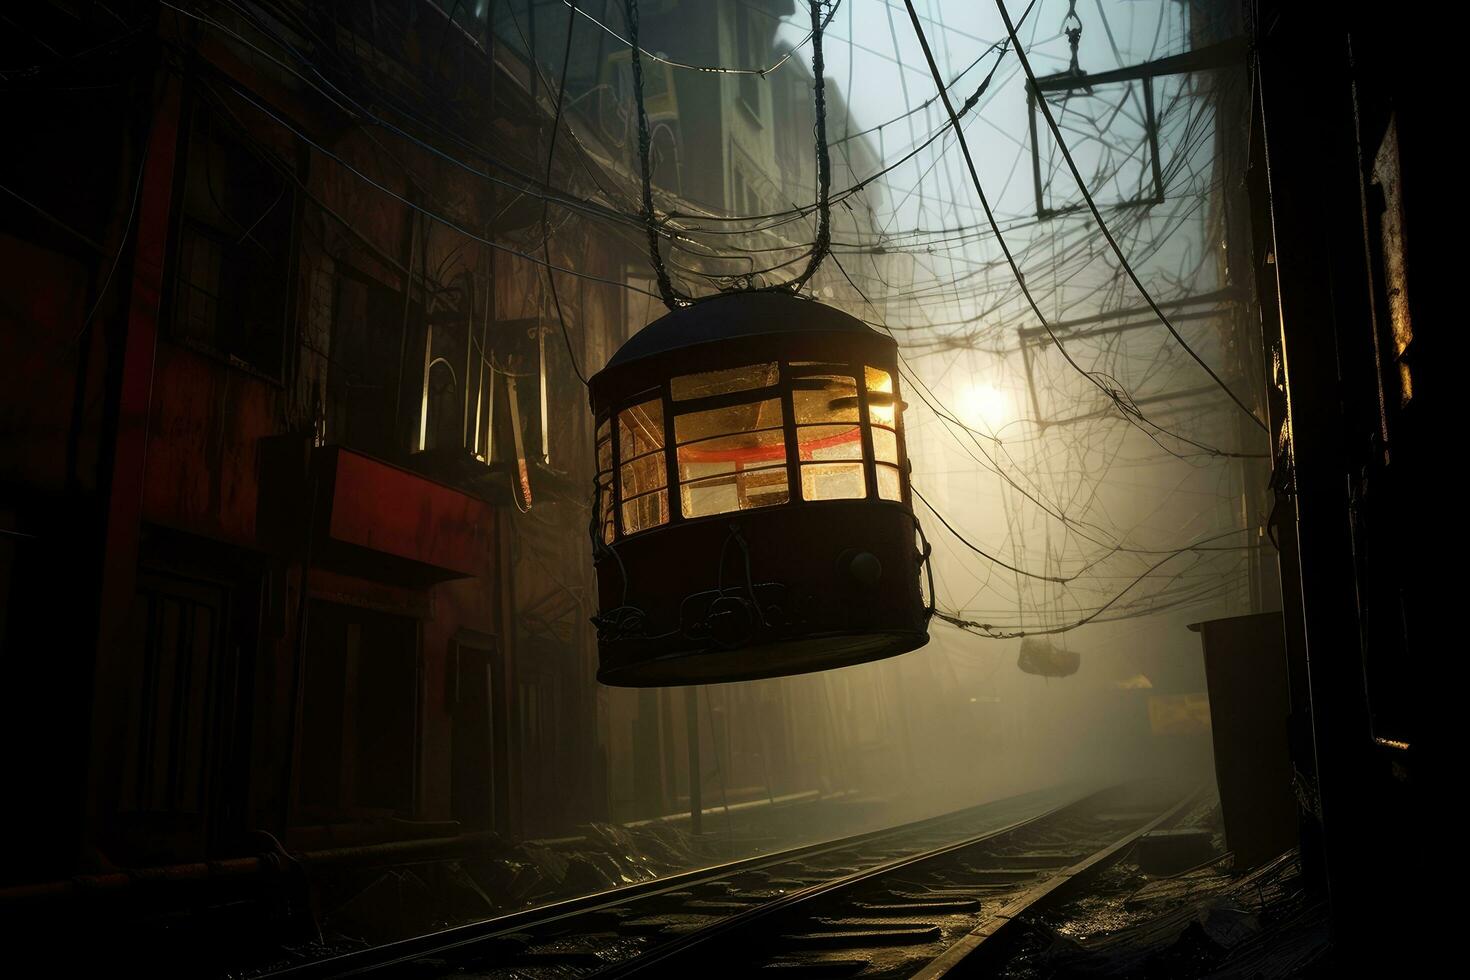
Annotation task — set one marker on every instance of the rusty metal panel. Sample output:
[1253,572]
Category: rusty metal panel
[395,512]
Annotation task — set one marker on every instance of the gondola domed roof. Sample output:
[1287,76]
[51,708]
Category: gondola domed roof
[735,316]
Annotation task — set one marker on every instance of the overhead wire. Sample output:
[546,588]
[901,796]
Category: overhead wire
[1103,226]
[1126,406]
[561,92]
[640,52]
[952,288]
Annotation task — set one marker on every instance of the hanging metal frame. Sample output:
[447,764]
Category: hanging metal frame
[1073,79]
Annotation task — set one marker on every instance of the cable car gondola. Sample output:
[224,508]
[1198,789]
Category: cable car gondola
[752,515]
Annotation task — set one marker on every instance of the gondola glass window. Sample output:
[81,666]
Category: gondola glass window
[731,432]
[642,474]
[829,437]
[883,410]
[605,481]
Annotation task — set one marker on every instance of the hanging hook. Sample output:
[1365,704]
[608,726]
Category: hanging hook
[1072,27]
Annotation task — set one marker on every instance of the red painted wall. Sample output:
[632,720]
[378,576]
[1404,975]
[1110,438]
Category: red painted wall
[203,445]
[393,511]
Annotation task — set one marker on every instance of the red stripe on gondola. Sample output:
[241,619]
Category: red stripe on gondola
[764,454]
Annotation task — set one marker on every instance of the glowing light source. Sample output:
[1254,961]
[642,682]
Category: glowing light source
[984,406]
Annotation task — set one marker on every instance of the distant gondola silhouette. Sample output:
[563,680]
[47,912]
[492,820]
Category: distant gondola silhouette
[1040,656]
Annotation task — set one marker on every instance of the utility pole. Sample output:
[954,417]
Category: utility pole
[691,727]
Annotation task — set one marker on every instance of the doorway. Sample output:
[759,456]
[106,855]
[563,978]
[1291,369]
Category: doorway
[480,785]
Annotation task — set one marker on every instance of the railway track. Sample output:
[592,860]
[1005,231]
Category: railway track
[912,900]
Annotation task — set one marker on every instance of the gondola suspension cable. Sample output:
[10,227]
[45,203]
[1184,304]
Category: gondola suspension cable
[666,290]
[823,243]
[821,247]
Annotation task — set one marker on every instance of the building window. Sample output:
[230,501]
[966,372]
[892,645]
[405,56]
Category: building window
[232,251]
[368,324]
[175,633]
[747,202]
[750,190]
[359,713]
[748,54]
[450,381]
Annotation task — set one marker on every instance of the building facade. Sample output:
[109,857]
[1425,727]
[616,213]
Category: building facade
[297,461]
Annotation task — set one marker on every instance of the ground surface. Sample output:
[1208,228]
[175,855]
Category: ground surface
[361,908]
[1208,922]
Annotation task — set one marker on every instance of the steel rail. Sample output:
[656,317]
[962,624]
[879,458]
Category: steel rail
[959,958]
[677,956]
[458,939]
